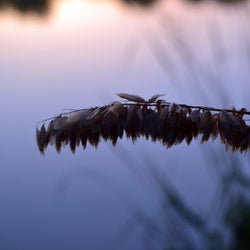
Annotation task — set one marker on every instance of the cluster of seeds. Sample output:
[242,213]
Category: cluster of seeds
[155,119]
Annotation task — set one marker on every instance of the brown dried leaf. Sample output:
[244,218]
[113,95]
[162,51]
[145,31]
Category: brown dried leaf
[189,134]
[60,123]
[83,136]
[131,125]
[40,138]
[48,134]
[117,109]
[204,125]
[154,98]
[182,128]
[133,98]
[93,116]
[148,122]
[94,138]
[231,129]
[58,140]
[72,140]
[75,116]
[214,124]
[164,113]
[223,125]
[74,136]
[195,116]
[106,124]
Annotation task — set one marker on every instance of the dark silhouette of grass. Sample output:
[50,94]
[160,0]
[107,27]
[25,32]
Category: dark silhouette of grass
[169,123]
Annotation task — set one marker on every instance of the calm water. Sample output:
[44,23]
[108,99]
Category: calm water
[79,55]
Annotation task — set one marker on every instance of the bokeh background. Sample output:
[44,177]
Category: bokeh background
[70,54]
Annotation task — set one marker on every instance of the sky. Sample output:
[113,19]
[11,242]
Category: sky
[80,55]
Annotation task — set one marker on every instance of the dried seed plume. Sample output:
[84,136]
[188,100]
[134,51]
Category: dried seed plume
[155,119]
